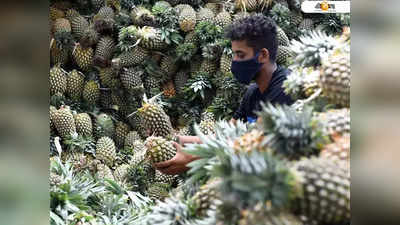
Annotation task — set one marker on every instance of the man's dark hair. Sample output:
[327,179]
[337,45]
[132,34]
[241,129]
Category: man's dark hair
[259,32]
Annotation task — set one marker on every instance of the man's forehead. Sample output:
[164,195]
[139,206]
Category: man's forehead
[240,45]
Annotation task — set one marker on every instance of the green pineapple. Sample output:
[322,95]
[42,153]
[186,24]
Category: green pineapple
[121,172]
[59,55]
[291,134]
[225,63]
[207,126]
[90,37]
[208,66]
[258,215]
[168,65]
[214,7]
[131,79]
[55,13]
[141,16]
[283,39]
[307,24]
[64,122]
[133,140]
[106,151]
[104,51]
[150,38]
[108,77]
[205,14]
[75,84]
[164,178]
[121,131]
[296,18]
[78,26]
[159,149]
[71,13]
[83,124]
[52,112]
[103,126]
[58,80]
[91,92]
[104,20]
[129,58]
[338,151]
[155,120]
[240,15]
[211,51]
[105,99]
[55,179]
[335,79]
[187,19]
[97,4]
[158,191]
[62,32]
[283,55]
[83,57]
[140,174]
[326,191]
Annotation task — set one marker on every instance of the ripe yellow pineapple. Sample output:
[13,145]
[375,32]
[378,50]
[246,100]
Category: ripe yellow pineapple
[91,92]
[83,56]
[64,122]
[58,80]
[155,120]
[83,124]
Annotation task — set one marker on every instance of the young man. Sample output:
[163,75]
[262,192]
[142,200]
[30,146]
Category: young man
[254,44]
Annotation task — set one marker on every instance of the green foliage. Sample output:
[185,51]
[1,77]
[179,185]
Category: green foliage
[281,15]
[208,32]
[186,51]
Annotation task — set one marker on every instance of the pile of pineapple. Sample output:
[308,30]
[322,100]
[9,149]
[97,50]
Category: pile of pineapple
[128,76]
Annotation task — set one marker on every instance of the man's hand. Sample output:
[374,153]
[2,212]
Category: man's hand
[177,164]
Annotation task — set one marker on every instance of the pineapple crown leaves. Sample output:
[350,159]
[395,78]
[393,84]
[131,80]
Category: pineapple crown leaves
[186,51]
[208,32]
[291,134]
[211,147]
[211,51]
[280,14]
[313,48]
[171,35]
[257,177]
[127,38]
[333,24]
[198,85]
[79,143]
[293,85]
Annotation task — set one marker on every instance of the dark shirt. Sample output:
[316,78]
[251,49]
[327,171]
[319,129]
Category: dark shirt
[274,94]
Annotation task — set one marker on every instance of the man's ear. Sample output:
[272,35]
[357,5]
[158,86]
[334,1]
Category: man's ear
[264,56]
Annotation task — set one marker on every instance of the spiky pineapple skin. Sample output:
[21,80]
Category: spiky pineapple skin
[104,172]
[326,191]
[59,55]
[121,172]
[335,79]
[164,178]
[131,138]
[208,66]
[250,142]
[78,26]
[83,57]
[75,84]
[204,14]
[91,92]
[151,38]
[141,16]
[83,124]
[282,37]
[187,19]
[337,121]
[104,51]
[130,58]
[223,19]
[338,151]
[158,191]
[121,131]
[159,149]
[168,65]
[58,80]
[64,122]
[106,151]
[283,54]
[207,197]
[155,120]
[225,63]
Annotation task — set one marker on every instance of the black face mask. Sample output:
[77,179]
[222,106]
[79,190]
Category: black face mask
[245,71]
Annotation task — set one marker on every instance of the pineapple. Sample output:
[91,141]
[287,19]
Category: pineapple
[58,80]
[105,99]
[258,215]
[180,80]
[131,79]
[326,191]
[168,65]
[337,121]
[208,66]
[187,19]
[121,172]
[55,179]
[71,13]
[335,79]
[52,112]
[283,55]
[121,131]
[104,172]
[105,151]
[214,7]
[281,36]
[62,32]
[104,20]
[55,13]
[164,178]
[104,51]
[103,126]
[64,122]
[247,5]
[207,126]
[107,76]
[159,149]
[307,24]
[131,139]
[338,151]
[223,19]
[91,93]
[78,26]
[59,55]
[204,14]
[225,63]
[152,86]
[129,58]
[169,89]
[155,120]
[83,124]
[142,17]
[90,37]
[75,84]
[250,142]
[97,4]
[83,56]
[150,38]
[208,197]
[158,191]
[296,18]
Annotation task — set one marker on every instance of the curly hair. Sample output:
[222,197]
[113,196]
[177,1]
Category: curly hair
[258,31]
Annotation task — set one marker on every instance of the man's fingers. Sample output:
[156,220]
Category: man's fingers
[167,170]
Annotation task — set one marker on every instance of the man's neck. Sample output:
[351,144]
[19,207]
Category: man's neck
[264,78]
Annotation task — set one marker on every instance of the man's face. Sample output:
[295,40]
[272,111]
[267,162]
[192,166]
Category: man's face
[241,51]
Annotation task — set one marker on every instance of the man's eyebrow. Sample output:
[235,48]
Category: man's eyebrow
[238,51]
